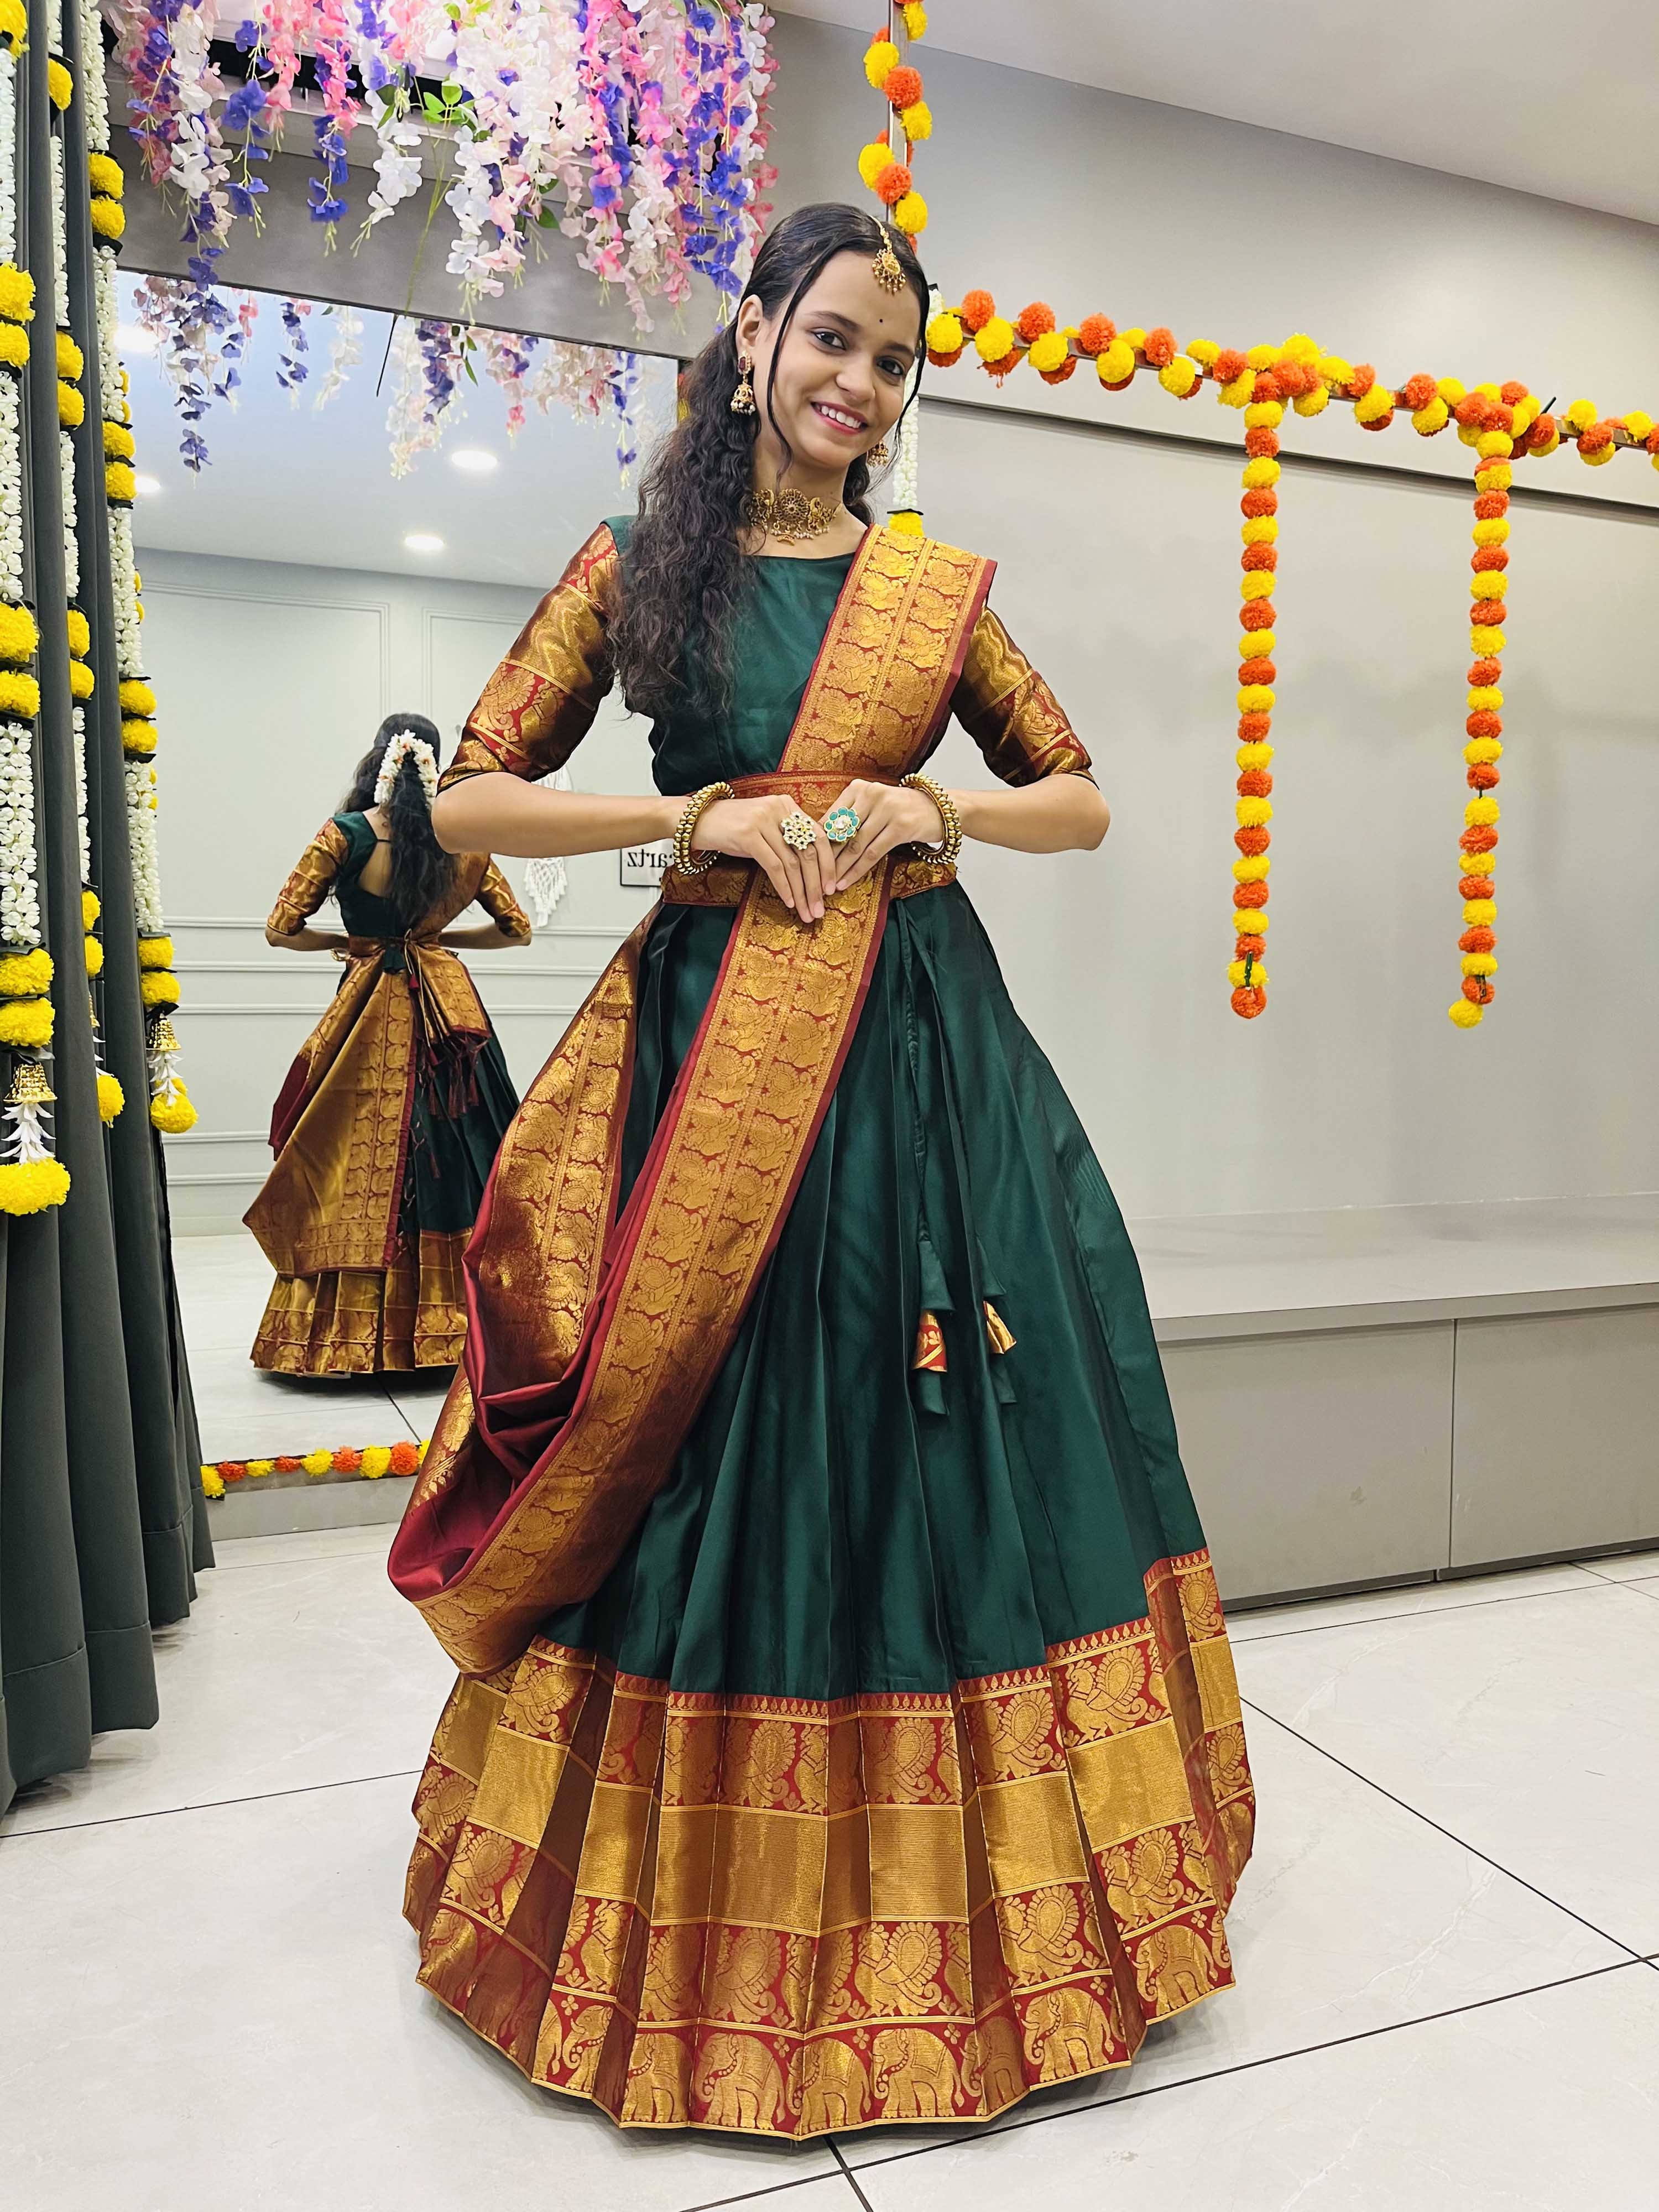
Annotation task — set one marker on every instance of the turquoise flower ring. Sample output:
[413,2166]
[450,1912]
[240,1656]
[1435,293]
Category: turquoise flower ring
[841,825]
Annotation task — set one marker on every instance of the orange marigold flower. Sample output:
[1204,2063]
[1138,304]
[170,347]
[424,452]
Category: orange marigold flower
[1096,332]
[1252,842]
[1262,443]
[1511,392]
[892,183]
[1249,894]
[1417,390]
[1483,776]
[902,86]
[1066,369]
[1257,672]
[1259,502]
[1379,421]
[1491,506]
[1257,614]
[1160,349]
[1252,728]
[1250,948]
[1471,410]
[1543,430]
[1229,365]
[1499,417]
[1259,556]
[1652,441]
[1483,723]
[1294,378]
[1485,671]
[1362,380]
[1482,838]
[285,1463]
[1266,385]
[1256,782]
[1480,988]
[405,1459]
[1489,556]
[347,1462]
[1248,1000]
[1491,614]
[1470,887]
[1599,435]
[976,310]
[232,1470]
[1035,321]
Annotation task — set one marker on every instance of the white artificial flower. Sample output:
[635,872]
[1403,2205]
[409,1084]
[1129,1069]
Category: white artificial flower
[72,538]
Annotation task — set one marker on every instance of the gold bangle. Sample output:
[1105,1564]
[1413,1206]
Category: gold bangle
[690,814]
[948,850]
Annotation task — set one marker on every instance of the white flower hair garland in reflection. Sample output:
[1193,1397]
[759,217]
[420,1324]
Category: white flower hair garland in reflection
[402,746]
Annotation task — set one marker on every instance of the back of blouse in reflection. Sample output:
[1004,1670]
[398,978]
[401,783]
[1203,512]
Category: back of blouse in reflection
[385,1127]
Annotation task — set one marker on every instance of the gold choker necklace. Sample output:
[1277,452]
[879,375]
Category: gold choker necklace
[788,515]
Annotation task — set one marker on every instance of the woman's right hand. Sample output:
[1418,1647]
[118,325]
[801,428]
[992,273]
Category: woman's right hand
[752,830]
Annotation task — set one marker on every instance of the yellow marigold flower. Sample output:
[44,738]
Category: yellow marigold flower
[1255,584]
[70,362]
[25,975]
[158,987]
[1488,585]
[1526,412]
[16,294]
[1254,698]
[258,1467]
[906,521]
[19,695]
[111,1097]
[120,482]
[213,1483]
[1485,637]
[918,121]
[1257,644]
[1334,370]
[1260,529]
[881,58]
[1487,697]
[1134,337]
[1480,752]
[872,159]
[1480,813]
[1495,475]
[1488,864]
[1465,1013]
[1237,393]
[94,952]
[1468,433]
[137,737]
[1262,356]
[1236,973]
[1581,414]
[13,25]
[1313,403]
[60,85]
[173,1116]
[1479,963]
[1048,351]
[71,407]
[137,697]
[80,631]
[1253,813]
[1259,475]
[1551,443]
[1252,870]
[1431,419]
[1301,347]
[377,1458]
[14,346]
[1373,406]
[1179,375]
[910,214]
[18,635]
[1489,391]
[1493,532]
[1494,445]
[318,1462]
[1599,458]
[1640,426]
[994,338]
[915,19]
[1257,754]
[106,175]
[1204,351]
[1264,415]
[1452,390]
[944,333]
[155,952]
[80,680]
[30,1185]
[1251,920]
[1116,363]
[25,1023]
[1477,912]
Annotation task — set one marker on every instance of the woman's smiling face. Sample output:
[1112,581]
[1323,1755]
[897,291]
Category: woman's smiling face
[843,367]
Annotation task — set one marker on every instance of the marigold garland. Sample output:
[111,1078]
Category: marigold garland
[881,170]
[370,1462]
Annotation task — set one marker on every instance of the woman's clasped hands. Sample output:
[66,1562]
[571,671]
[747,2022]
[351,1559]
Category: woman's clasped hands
[889,814]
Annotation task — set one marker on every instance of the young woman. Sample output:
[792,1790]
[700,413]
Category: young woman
[846,1731]
[385,1128]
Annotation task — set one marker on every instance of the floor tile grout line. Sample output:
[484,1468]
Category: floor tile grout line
[775,2189]
[1429,1822]
[209,1805]
[1591,1568]
[308,1559]
[852,2179]
[1419,1612]
[1271,2059]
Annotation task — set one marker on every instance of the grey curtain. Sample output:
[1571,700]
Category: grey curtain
[102,1524]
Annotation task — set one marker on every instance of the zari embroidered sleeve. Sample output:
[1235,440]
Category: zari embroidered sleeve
[494,896]
[1010,713]
[540,703]
[309,886]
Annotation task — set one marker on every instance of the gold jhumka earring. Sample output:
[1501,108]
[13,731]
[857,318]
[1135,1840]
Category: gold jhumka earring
[879,454]
[743,399]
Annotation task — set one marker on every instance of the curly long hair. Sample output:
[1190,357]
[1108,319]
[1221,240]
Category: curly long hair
[684,571]
[423,873]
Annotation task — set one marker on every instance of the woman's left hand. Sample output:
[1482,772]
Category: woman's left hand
[889,814]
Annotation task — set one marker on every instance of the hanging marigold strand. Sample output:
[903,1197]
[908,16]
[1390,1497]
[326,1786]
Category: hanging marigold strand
[1490,419]
[1262,416]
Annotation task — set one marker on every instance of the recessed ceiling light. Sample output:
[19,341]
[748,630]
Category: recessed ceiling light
[474,460]
[423,541]
[131,338]
[146,487]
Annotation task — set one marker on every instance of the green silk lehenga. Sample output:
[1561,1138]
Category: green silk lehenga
[847,1730]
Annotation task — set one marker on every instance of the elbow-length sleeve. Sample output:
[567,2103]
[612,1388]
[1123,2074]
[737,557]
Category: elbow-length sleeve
[1010,713]
[494,896]
[308,885]
[540,703]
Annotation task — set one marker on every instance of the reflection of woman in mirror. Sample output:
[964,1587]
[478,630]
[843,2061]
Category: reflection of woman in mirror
[847,1730]
[385,1127]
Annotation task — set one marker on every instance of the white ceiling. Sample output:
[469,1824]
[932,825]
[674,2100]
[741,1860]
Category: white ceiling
[1561,100]
[290,484]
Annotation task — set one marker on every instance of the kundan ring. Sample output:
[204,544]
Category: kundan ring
[841,825]
[798,831]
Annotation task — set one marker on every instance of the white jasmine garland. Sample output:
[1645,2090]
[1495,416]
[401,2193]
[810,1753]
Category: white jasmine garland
[78,716]
[55,27]
[405,745]
[20,905]
[129,652]
[71,543]
[108,308]
[11,488]
[59,235]
[139,777]
[8,159]
[94,92]
[906,467]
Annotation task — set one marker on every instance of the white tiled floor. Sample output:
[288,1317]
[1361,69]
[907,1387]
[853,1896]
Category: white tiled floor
[1443,2000]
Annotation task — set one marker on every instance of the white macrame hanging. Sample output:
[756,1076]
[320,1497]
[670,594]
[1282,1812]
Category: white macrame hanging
[547,880]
